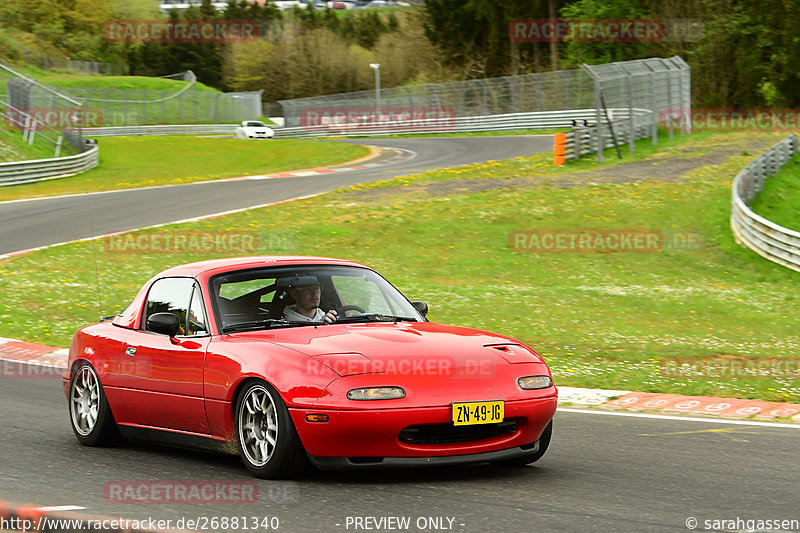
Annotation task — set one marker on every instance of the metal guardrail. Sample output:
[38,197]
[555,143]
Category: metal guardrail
[771,241]
[507,122]
[628,127]
[174,129]
[21,172]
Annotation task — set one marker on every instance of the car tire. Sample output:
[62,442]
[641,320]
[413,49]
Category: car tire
[544,443]
[265,434]
[89,413]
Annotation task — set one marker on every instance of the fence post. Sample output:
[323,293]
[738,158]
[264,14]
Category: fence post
[597,105]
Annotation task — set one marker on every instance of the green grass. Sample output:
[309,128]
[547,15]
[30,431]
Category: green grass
[116,82]
[13,149]
[608,320]
[147,161]
[779,202]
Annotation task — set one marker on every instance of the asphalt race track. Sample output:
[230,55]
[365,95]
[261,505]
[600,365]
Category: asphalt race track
[602,472]
[30,224]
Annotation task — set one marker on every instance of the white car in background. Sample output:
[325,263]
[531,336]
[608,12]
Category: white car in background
[254,129]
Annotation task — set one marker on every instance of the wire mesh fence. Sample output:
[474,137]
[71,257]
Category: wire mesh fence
[42,129]
[661,86]
[108,106]
[549,91]
[186,103]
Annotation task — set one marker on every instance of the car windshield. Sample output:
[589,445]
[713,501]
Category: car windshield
[300,295]
[254,124]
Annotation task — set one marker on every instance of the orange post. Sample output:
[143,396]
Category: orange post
[559,148]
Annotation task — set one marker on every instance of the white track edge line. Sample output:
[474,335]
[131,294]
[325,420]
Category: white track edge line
[680,418]
[236,178]
[123,232]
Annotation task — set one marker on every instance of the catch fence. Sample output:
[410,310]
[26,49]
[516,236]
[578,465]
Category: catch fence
[184,102]
[655,87]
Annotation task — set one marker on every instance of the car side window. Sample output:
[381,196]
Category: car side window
[169,295]
[196,324]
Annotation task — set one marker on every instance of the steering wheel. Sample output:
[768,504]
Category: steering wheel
[345,308]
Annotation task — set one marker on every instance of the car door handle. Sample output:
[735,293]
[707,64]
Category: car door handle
[130,351]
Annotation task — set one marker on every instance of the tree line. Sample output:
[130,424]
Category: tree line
[746,55]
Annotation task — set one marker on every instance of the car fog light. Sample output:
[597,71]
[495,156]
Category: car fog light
[535,382]
[376,393]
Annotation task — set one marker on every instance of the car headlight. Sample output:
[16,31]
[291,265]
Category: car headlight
[535,382]
[376,393]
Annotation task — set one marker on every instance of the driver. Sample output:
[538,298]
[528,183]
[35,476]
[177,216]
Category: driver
[306,292]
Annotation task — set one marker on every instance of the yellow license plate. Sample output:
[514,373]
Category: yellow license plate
[472,413]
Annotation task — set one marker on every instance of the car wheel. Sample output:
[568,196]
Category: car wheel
[544,443]
[267,439]
[91,417]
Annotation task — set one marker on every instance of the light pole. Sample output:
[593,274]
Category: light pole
[377,68]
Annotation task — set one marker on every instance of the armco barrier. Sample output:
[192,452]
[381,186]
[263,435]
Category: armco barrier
[509,122]
[20,172]
[174,129]
[771,241]
[17,173]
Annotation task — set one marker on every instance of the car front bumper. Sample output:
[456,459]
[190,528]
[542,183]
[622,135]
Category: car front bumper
[373,436]
[366,463]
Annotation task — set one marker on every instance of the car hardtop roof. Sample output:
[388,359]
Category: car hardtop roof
[215,266]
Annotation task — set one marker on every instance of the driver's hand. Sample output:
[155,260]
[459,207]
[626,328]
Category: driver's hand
[330,316]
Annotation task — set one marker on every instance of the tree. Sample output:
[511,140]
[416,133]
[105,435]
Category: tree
[473,35]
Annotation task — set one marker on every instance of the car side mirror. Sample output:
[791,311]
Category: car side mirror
[164,323]
[422,307]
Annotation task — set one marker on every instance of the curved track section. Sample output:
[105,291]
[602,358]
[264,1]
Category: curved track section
[33,223]
[601,473]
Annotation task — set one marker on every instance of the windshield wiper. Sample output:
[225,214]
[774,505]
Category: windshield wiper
[375,317]
[268,323]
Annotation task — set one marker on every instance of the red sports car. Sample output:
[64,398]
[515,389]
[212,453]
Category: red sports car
[295,359]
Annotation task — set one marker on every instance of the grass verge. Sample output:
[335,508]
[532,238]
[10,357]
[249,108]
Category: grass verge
[779,202]
[12,148]
[606,319]
[132,162]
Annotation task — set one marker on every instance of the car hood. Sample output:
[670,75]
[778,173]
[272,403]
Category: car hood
[376,347]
